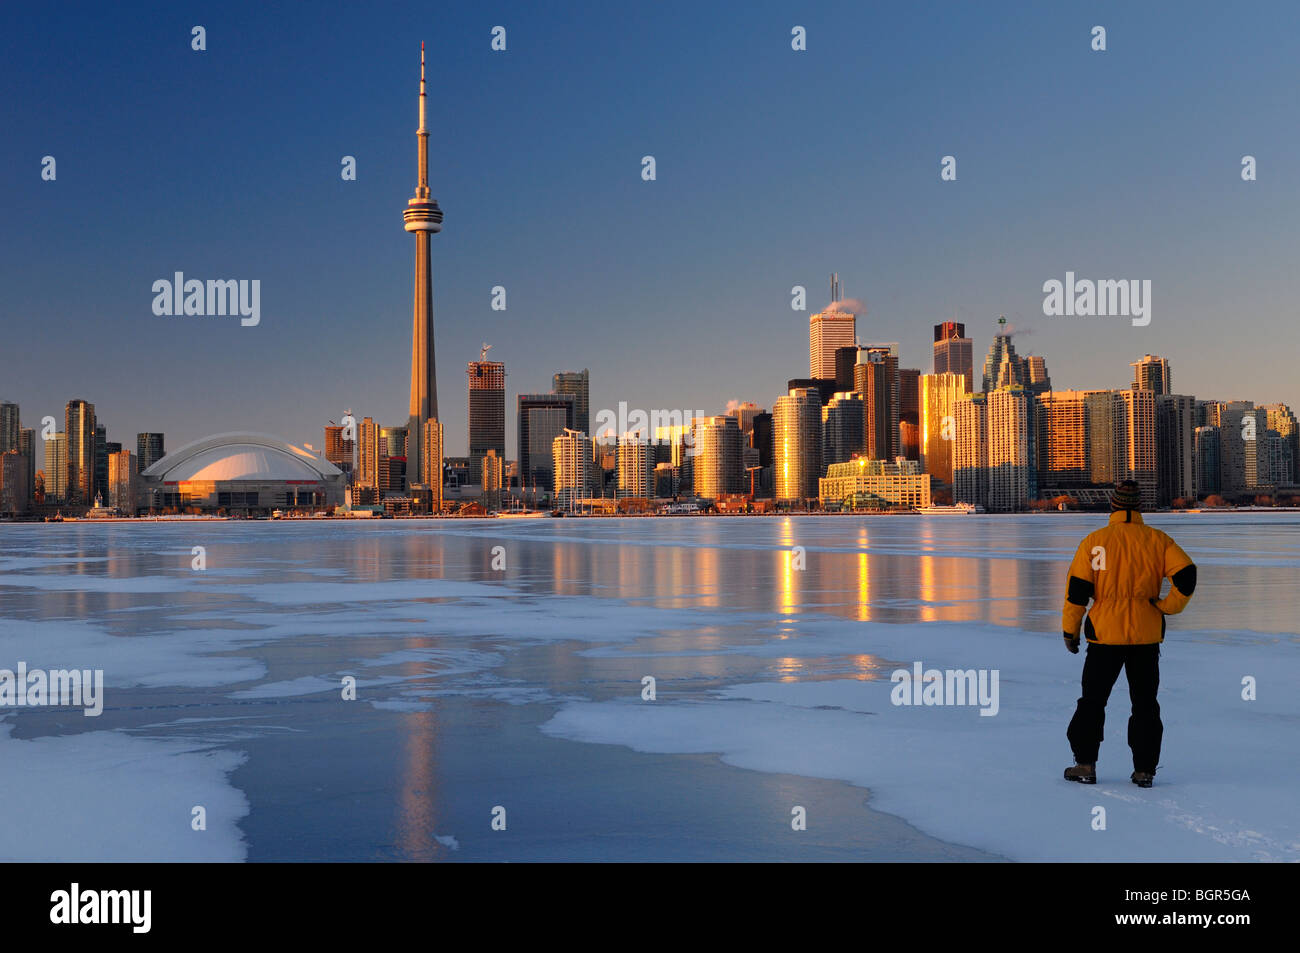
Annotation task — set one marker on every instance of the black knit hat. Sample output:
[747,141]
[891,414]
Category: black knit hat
[1127,496]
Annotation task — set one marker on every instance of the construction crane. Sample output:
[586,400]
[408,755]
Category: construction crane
[482,354]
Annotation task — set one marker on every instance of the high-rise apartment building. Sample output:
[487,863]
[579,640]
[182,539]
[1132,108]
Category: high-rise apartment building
[368,454]
[1208,464]
[79,426]
[1012,453]
[636,468]
[970,450]
[56,468]
[939,394]
[1280,418]
[571,464]
[340,449]
[493,477]
[797,450]
[123,483]
[15,491]
[149,449]
[431,477]
[542,418]
[716,467]
[1229,416]
[27,447]
[487,410]
[10,426]
[1152,373]
[1175,447]
[577,383]
[392,461]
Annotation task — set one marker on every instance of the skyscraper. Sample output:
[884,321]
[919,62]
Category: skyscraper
[1152,373]
[148,450]
[875,377]
[797,444]
[487,411]
[909,413]
[953,352]
[828,330]
[424,218]
[9,426]
[101,463]
[1037,380]
[542,418]
[577,383]
[1003,367]
[843,427]
[79,426]
[939,394]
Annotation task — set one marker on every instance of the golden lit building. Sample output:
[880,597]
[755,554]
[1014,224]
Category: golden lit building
[900,482]
[939,394]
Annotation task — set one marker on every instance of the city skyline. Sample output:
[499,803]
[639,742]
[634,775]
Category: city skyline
[341,328]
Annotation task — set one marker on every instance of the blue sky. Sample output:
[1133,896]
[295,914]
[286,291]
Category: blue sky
[774,168]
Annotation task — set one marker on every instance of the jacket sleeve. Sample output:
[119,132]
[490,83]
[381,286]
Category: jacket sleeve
[1181,572]
[1079,588]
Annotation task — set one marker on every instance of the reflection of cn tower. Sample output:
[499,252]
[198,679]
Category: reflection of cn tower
[424,218]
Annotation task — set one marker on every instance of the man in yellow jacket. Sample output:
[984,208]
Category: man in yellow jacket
[1119,569]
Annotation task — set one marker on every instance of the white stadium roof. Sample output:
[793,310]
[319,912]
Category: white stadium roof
[241,456]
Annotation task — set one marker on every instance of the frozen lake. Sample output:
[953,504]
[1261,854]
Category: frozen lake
[512,678]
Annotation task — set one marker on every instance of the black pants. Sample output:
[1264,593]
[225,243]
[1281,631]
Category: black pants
[1100,669]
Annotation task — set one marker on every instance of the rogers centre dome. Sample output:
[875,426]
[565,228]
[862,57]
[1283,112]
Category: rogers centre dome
[245,472]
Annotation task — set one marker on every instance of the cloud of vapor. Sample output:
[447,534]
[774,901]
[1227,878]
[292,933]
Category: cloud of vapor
[735,404]
[847,306]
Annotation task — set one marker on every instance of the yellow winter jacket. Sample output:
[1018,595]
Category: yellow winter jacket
[1120,567]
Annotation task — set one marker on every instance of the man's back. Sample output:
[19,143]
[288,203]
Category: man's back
[1121,567]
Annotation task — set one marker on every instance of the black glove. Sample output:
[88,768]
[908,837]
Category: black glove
[1157,605]
[1072,643]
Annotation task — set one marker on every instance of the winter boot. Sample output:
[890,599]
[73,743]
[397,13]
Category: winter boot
[1143,779]
[1083,773]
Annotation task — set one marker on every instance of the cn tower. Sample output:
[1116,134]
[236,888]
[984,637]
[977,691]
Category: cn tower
[424,218]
